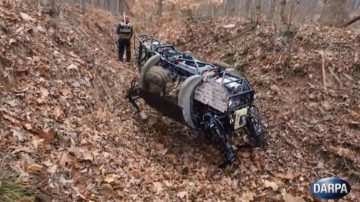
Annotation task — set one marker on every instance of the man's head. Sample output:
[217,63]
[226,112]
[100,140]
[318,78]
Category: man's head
[126,19]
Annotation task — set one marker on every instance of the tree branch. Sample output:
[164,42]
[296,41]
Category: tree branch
[128,7]
[352,21]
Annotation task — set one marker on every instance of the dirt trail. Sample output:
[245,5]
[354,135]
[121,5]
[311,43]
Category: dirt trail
[68,131]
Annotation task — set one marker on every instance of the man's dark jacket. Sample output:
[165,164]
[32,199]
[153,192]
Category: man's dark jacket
[125,31]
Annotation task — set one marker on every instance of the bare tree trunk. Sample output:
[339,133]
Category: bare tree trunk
[282,11]
[107,4]
[212,9]
[83,6]
[325,2]
[272,10]
[128,7]
[247,9]
[306,12]
[258,10]
[230,7]
[336,12]
[159,7]
[117,6]
[294,6]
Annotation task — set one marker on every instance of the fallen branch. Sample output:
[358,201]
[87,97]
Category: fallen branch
[352,21]
[348,76]
[335,76]
[252,27]
[109,99]
[323,67]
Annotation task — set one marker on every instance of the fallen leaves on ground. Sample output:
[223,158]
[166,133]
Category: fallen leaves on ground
[68,130]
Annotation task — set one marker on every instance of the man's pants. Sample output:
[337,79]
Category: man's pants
[122,45]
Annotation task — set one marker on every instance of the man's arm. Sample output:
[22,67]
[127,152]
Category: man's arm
[118,29]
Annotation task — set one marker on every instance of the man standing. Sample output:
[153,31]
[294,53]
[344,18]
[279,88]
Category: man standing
[125,32]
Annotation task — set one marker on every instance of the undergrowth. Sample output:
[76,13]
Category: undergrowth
[11,190]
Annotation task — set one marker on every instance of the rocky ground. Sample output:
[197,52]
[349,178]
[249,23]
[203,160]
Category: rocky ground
[69,134]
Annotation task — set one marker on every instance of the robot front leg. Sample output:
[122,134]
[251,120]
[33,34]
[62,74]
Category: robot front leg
[133,94]
[220,137]
[255,128]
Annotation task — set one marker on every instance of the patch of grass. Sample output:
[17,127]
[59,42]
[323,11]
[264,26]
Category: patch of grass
[10,190]
[305,43]
[229,58]
[340,164]
[357,69]
[293,71]
[288,31]
[355,177]
[241,67]
[246,50]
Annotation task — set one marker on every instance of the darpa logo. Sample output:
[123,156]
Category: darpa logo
[330,188]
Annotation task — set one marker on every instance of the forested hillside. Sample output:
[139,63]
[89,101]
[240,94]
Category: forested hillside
[69,134]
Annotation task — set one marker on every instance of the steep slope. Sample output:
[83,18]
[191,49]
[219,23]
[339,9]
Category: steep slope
[68,132]
[313,126]
[61,91]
